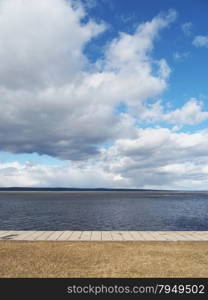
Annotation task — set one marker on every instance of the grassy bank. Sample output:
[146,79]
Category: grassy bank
[103,259]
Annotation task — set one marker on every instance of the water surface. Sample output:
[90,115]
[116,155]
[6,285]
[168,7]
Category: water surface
[103,210]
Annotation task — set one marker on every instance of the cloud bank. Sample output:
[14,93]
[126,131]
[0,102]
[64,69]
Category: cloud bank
[55,101]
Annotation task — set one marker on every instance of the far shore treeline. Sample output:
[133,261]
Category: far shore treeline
[69,189]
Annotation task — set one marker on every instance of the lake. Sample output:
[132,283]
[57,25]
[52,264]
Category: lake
[104,210]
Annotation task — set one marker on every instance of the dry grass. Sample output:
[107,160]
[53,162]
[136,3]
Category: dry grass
[103,259]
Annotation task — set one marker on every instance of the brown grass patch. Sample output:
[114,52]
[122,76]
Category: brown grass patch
[103,259]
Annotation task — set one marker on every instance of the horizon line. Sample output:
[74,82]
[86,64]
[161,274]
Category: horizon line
[14,188]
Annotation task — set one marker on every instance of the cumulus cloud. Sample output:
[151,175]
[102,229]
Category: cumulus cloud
[53,100]
[187,28]
[153,158]
[34,175]
[201,41]
[191,113]
[160,158]
[42,43]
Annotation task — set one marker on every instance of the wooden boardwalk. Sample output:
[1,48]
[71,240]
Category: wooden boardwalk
[104,235]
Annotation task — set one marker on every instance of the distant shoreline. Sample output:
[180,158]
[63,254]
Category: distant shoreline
[76,189]
[57,189]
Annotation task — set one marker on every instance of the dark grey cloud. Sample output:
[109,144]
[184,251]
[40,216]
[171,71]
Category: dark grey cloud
[53,101]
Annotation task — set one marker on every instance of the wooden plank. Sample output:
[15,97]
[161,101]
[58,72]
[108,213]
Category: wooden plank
[106,236]
[44,236]
[4,232]
[54,236]
[158,236]
[190,236]
[28,237]
[14,235]
[65,236]
[175,236]
[117,236]
[168,236]
[137,236]
[127,235]
[96,236]
[75,236]
[22,235]
[149,235]
[152,235]
[204,237]
[201,236]
[9,235]
[34,235]
[86,236]
[181,236]
[146,236]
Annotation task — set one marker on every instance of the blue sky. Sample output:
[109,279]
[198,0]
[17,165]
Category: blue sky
[108,93]
[189,76]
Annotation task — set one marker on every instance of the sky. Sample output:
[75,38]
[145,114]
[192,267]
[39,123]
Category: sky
[104,93]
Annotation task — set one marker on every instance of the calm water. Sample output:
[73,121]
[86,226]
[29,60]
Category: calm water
[103,211]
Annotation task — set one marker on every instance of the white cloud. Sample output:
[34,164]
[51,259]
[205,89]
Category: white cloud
[127,48]
[201,41]
[153,158]
[159,158]
[191,113]
[30,175]
[187,28]
[42,43]
[53,101]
